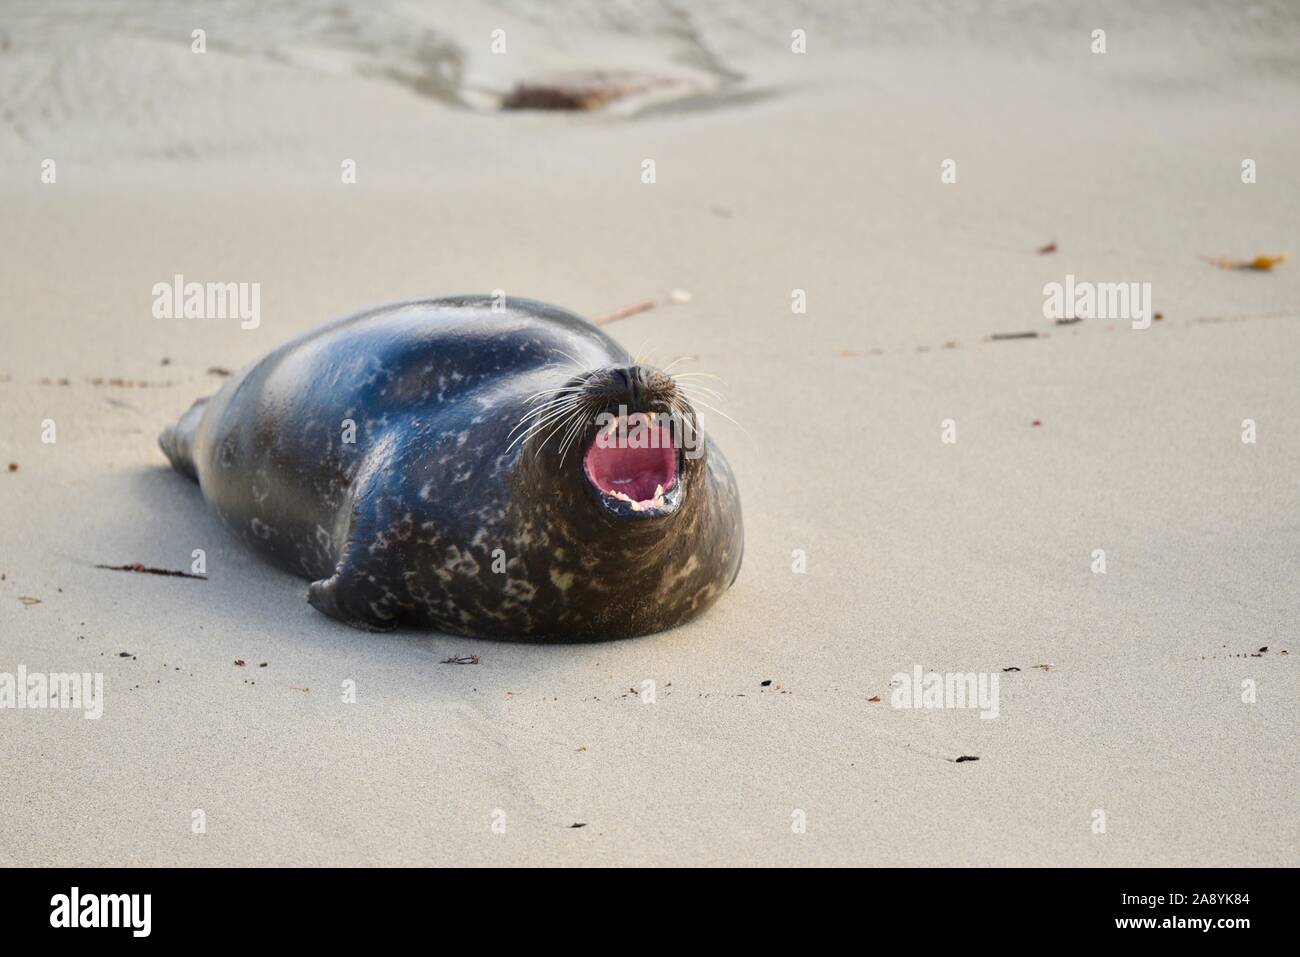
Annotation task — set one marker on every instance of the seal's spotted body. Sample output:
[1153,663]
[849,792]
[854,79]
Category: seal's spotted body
[406,523]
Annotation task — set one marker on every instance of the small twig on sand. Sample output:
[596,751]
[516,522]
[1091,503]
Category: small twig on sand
[146,570]
[461,660]
[624,312]
[998,336]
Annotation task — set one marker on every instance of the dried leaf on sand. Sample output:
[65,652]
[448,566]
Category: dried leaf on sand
[1259,263]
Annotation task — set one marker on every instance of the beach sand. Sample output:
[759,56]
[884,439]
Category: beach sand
[817,172]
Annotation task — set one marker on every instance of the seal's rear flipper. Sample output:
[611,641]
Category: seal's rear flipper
[177,441]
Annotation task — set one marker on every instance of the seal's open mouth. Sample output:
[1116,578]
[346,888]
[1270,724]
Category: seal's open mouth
[636,475]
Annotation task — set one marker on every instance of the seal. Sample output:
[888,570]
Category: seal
[496,468]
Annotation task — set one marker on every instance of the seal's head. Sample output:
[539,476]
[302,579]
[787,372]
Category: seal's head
[627,434]
[643,436]
[626,518]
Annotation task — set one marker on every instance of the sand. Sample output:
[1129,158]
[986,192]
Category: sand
[818,172]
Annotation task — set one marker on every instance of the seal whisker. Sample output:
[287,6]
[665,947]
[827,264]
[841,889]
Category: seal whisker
[706,405]
[703,401]
[576,363]
[524,437]
[553,394]
[680,359]
[563,388]
[574,431]
[550,416]
[680,409]
[542,411]
[542,418]
[547,403]
[564,421]
[553,400]
[642,353]
[690,388]
[541,407]
[694,384]
[561,429]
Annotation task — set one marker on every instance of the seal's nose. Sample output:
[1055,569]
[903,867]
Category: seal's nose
[634,381]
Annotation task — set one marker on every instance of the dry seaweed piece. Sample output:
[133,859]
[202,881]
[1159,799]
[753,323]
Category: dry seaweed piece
[146,570]
[999,336]
[965,757]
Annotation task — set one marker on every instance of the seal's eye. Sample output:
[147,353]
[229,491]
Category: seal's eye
[634,463]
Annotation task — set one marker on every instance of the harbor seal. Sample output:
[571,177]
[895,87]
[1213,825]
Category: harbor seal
[471,465]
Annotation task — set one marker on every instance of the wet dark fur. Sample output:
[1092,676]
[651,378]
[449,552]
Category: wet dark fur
[400,527]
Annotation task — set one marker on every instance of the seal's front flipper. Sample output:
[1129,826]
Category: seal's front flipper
[344,600]
[177,441]
[364,590]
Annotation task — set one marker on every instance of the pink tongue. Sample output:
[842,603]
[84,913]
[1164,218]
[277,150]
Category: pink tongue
[636,473]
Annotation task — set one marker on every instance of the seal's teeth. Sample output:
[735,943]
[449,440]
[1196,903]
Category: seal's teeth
[636,506]
[659,492]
